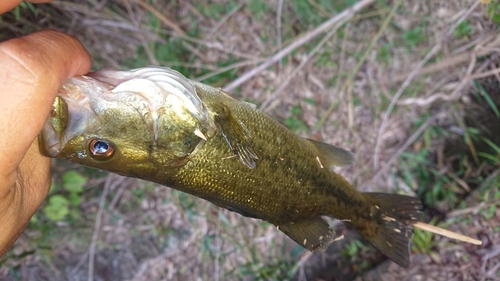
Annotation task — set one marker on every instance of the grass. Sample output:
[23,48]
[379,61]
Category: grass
[65,198]
[294,122]
[494,11]
[414,37]
[177,236]
[424,243]
[464,29]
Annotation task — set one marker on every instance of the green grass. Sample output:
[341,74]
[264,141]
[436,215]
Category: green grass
[494,11]
[484,98]
[23,9]
[423,241]
[494,154]
[414,37]
[294,121]
[65,198]
[384,53]
[420,174]
[463,30]
[275,269]
[259,9]
[355,252]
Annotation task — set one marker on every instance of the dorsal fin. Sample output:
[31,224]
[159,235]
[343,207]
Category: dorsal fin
[331,155]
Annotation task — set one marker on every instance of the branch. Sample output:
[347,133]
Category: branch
[338,19]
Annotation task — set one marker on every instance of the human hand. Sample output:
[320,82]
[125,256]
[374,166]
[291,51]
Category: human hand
[32,69]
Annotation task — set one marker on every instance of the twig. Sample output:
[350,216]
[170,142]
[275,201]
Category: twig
[79,264]
[225,68]
[473,209]
[92,182]
[412,76]
[425,101]
[161,17]
[485,74]
[284,83]
[442,65]
[358,66]
[217,249]
[407,144]
[220,47]
[342,60]
[446,233]
[174,27]
[107,187]
[149,53]
[449,62]
[403,87]
[217,26]
[486,183]
[278,28]
[97,226]
[338,19]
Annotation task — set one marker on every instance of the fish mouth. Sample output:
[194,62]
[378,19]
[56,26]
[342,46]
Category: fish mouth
[70,116]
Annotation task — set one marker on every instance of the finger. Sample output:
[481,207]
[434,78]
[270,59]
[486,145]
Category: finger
[19,202]
[33,171]
[7,5]
[32,68]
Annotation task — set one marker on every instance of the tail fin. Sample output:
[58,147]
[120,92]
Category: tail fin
[394,231]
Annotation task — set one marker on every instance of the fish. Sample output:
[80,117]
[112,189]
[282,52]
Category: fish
[155,124]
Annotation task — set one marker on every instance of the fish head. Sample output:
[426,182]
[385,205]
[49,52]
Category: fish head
[127,122]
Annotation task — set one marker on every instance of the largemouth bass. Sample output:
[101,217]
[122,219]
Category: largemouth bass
[155,124]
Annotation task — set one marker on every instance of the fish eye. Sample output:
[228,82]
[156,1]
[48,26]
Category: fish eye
[101,148]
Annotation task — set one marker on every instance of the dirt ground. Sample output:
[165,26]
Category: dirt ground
[400,94]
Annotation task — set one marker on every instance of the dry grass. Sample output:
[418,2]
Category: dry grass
[149,232]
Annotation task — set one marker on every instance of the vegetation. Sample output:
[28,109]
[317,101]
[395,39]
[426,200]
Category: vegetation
[437,138]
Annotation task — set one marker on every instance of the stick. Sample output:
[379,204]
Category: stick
[358,66]
[337,19]
[446,233]
[161,17]
[409,79]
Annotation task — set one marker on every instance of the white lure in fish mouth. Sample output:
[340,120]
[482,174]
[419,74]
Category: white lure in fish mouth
[81,99]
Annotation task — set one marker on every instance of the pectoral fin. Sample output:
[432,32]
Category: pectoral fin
[236,135]
[332,155]
[314,234]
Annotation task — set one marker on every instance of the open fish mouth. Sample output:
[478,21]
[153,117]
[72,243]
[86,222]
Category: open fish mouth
[71,114]
[82,99]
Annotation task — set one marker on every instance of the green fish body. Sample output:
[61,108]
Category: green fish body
[157,125]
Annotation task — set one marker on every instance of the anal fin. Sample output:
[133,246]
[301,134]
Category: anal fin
[314,234]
